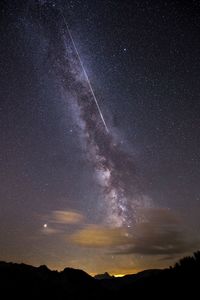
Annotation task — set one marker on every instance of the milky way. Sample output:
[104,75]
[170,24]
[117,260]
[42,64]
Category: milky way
[114,168]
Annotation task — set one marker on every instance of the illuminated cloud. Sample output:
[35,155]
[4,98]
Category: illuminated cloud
[99,236]
[55,221]
[66,217]
[160,233]
[49,230]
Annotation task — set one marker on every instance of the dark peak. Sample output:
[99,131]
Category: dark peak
[20,266]
[43,268]
[105,275]
[74,271]
[143,274]
[75,274]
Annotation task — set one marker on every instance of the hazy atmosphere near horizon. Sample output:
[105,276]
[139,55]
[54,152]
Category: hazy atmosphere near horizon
[99,133]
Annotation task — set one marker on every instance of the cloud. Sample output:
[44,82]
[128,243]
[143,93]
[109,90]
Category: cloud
[66,217]
[56,220]
[160,233]
[50,230]
[99,236]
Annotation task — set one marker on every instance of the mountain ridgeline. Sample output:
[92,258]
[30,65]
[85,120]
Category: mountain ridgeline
[28,282]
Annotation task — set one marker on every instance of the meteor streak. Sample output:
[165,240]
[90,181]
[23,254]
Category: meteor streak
[85,73]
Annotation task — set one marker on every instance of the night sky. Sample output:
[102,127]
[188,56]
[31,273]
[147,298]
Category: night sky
[71,192]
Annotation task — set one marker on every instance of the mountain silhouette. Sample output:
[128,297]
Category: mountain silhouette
[28,282]
[105,275]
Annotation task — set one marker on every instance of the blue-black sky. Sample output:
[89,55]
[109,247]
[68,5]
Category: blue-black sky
[120,201]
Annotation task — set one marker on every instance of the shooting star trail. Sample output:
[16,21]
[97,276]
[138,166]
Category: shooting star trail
[85,73]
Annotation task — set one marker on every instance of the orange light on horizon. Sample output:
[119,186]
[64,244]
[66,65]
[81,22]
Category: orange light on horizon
[119,275]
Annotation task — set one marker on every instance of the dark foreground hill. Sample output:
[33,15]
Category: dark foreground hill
[28,282]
